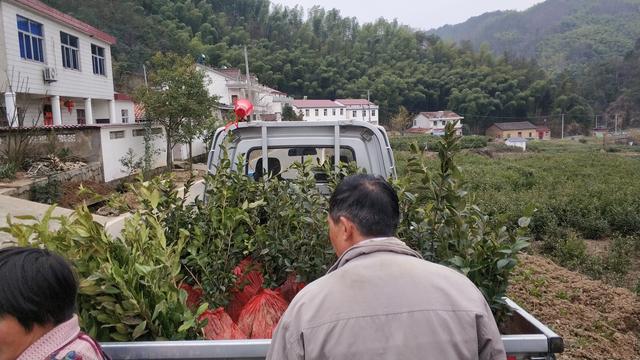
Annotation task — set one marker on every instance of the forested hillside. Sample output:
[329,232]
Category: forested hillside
[322,54]
[560,34]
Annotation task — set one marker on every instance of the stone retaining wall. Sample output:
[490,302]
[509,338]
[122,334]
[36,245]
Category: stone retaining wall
[91,172]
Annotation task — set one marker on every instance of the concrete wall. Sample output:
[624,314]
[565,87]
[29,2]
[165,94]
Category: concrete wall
[494,132]
[116,140]
[82,142]
[80,83]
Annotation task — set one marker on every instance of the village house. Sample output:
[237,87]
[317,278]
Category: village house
[520,129]
[55,70]
[340,109]
[229,85]
[360,109]
[435,122]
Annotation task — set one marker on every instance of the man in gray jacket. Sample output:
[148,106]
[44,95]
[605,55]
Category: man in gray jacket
[381,300]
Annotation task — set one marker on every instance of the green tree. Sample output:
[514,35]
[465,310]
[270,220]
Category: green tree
[288,114]
[176,98]
[401,121]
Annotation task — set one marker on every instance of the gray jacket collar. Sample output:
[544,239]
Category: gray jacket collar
[390,244]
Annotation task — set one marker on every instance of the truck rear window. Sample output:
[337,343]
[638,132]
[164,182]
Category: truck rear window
[281,159]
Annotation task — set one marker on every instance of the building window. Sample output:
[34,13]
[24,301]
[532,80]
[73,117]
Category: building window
[530,135]
[443,123]
[341,112]
[333,112]
[325,112]
[82,117]
[125,115]
[306,112]
[69,51]
[97,56]
[435,123]
[364,113]
[355,113]
[519,133]
[138,132]
[373,113]
[156,131]
[317,112]
[116,134]
[30,39]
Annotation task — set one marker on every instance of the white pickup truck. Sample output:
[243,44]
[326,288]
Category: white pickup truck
[272,147]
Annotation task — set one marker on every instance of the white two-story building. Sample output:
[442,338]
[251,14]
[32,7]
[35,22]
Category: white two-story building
[435,122]
[55,69]
[229,85]
[340,109]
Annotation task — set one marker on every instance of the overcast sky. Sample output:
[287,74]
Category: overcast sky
[425,14]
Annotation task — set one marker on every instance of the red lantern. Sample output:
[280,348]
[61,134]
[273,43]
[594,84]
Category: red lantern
[243,108]
[69,104]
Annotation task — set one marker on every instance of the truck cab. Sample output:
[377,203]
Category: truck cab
[273,147]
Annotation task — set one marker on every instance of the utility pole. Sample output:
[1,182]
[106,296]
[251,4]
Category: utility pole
[616,125]
[144,70]
[369,103]
[562,134]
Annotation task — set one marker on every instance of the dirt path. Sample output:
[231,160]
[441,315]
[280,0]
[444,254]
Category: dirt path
[597,321]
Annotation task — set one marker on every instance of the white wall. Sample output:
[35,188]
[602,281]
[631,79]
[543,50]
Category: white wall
[72,83]
[321,117]
[368,114]
[216,85]
[114,149]
[181,151]
[126,105]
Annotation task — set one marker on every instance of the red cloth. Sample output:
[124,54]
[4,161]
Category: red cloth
[261,314]
[249,281]
[194,295]
[220,326]
[291,287]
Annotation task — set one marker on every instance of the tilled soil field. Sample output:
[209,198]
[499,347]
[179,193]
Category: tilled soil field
[596,321]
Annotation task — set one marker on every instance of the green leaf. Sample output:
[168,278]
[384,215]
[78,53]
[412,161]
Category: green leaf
[139,330]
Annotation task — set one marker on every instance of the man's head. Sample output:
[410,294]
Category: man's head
[362,207]
[37,292]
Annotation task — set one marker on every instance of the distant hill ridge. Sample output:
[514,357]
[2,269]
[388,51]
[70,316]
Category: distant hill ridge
[558,33]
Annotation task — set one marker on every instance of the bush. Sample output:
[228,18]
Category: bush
[8,171]
[47,193]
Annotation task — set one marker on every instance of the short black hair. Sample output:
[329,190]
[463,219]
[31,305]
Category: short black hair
[370,202]
[36,287]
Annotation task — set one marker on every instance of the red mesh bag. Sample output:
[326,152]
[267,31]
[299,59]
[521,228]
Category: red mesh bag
[261,314]
[291,287]
[220,326]
[249,281]
[194,295]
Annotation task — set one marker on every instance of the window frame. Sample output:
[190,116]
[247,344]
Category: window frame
[28,37]
[71,52]
[124,116]
[98,61]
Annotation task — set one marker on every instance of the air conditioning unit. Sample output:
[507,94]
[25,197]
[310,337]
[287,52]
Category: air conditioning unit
[50,74]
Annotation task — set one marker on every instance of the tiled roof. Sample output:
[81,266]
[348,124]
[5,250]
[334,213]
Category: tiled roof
[350,102]
[418,130]
[521,125]
[138,110]
[440,115]
[316,104]
[121,96]
[45,10]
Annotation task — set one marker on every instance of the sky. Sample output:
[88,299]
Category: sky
[424,15]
